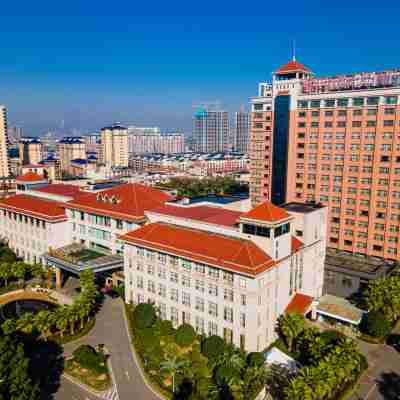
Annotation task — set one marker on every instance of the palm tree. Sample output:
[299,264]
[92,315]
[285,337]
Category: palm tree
[62,320]
[44,321]
[72,316]
[290,326]
[172,366]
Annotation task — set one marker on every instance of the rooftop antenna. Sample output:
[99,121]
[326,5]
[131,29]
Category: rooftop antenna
[294,50]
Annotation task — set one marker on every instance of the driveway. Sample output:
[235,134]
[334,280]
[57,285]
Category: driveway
[111,330]
[382,379]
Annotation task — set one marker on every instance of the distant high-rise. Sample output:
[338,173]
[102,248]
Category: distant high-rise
[30,150]
[211,130]
[146,130]
[4,162]
[14,134]
[114,146]
[70,148]
[241,132]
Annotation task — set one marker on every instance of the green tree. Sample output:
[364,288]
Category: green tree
[144,315]
[290,326]
[172,366]
[16,381]
[213,346]
[185,335]
[61,319]
[9,326]
[384,295]
[377,324]
[26,323]
[19,270]
[44,321]
[6,272]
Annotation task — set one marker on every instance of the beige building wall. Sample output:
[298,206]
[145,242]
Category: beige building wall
[114,147]
[70,150]
[4,162]
[30,153]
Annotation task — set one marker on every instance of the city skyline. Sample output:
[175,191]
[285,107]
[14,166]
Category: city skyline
[152,69]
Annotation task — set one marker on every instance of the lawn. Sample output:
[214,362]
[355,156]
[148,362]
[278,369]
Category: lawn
[86,255]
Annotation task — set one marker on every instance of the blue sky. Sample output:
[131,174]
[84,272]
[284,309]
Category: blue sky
[91,63]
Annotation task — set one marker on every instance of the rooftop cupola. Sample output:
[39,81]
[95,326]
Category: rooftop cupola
[292,70]
[269,227]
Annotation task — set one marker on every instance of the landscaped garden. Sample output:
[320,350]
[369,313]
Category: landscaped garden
[90,367]
[330,362]
[30,354]
[184,365]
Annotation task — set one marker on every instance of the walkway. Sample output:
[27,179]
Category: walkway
[382,379]
[111,330]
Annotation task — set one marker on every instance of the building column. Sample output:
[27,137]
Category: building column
[58,278]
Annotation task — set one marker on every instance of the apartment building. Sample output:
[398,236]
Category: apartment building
[241,132]
[227,273]
[70,148]
[4,161]
[114,146]
[335,140]
[97,219]
[30,150]
[211,130]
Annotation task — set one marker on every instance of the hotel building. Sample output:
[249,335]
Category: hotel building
[4,161]
[334,141]
[227,273]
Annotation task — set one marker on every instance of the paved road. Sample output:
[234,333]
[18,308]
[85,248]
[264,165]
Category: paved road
[111,330]
[382,379]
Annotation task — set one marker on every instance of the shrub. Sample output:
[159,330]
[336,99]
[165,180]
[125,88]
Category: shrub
[255,359]
[149,339]
[377,325]
[89,358]
[224,374]
[166,328]
[331,336]
[213,346]
[144,315]
[185,335]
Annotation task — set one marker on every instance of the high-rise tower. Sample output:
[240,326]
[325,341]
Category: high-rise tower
[4,162]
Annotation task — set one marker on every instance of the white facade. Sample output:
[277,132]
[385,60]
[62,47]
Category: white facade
[242,308]
[30,237]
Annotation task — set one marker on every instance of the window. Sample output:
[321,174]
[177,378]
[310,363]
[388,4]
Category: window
[243,300]
[186,299]
[243,320]
[213,309]
[139,282]
[185,281]
[315,113]
[258,107]
[390,99]
[199,285]
[388,122]
[213,289]
[162,290]
[173,277]
[315,103]
[329,103]
[358,101]
[372,101]
[342,103]
[174,294]
[302,104]
[228,314]
[151,287]
[228,294]
[213,273]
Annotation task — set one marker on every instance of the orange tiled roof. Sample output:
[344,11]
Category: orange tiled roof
[30,177]
[60,189]
[238,255]
[296,244]
[292,66]
[211,215]
[267,212]
[132,200]
[35,207]
[300,303]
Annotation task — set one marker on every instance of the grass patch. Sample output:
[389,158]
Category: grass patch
[86,255]
[95,380]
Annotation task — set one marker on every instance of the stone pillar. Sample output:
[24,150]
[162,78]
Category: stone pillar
[58,278]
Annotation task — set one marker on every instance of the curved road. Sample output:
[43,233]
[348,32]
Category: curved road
[111,330]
